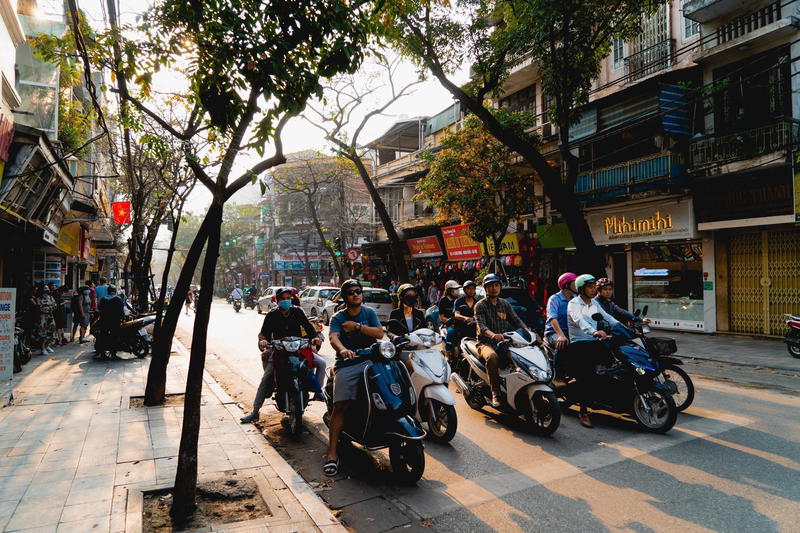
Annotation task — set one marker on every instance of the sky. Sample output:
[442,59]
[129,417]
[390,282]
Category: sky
[427,99]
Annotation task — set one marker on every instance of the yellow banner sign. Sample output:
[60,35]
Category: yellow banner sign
[69,239]
[508,246]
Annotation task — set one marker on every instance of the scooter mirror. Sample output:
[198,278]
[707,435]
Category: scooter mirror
[637,312]
[644,311]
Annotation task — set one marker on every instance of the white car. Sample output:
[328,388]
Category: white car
[378,300]
[267,300]
[313,299]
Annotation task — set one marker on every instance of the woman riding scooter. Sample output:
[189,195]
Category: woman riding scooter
[407,313]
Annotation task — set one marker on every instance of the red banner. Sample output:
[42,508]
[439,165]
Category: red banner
[459,245]
[122,212]
[6,136]
[424,247]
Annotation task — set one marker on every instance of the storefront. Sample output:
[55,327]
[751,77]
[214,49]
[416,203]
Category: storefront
[668,266]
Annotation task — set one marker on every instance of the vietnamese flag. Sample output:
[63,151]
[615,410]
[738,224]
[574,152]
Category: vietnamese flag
[122,212]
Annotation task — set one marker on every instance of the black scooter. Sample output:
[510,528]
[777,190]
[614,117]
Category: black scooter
[630,385]
[383,413]
[237,304]
[22,354]
[131,337]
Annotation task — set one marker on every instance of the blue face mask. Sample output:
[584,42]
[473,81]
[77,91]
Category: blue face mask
[285,304]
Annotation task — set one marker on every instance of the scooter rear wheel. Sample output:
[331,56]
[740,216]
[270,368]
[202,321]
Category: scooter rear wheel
[794,350]
[408,460]
[445,422]
[684,394]
[140,348]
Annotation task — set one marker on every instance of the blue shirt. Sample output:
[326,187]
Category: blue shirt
[581,324]
[100,292]
[355,340]
[557,308]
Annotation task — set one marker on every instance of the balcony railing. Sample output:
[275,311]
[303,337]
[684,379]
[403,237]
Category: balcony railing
[744,144]
[629,177]
[650,60]
[748,23]
[398,164]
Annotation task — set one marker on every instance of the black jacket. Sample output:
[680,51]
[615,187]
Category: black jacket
[295,324]
[397,314]
[445,308]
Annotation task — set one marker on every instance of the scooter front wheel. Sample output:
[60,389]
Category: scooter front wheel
[684,388]
[543,413]
[655,410]
[442,421]
[408,460]
[295,412]
[794,350]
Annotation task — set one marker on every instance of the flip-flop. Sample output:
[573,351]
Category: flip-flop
[331,468]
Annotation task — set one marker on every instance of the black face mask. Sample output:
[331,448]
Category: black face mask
[410,300]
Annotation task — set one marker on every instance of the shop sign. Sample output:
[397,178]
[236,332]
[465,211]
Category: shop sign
[459,245]
[7,309]
[69,239]
[352,254]
[424,247]
[663,221]
[508,246]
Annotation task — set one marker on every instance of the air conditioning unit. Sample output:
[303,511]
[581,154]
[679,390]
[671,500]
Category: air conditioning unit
[549,130]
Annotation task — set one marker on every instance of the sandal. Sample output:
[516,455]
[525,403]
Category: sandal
[331,468]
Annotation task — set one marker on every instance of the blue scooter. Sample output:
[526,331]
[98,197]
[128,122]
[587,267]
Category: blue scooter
[383,414]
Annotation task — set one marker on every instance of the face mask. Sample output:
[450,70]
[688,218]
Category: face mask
[85,292]
[47,291]
[285,304]
[410,300]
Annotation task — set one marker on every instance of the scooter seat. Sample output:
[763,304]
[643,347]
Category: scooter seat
[472,346]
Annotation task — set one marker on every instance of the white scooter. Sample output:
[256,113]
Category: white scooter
[524,384]
[436,404]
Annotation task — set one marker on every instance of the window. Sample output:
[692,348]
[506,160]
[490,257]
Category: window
[618,53]
[690,27]
[524,100]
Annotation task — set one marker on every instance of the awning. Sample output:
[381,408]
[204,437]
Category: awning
[403,136]
[69,239]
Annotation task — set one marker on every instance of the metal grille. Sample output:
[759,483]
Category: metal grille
[749,23]
[746,293]
[764,280]
[784,274]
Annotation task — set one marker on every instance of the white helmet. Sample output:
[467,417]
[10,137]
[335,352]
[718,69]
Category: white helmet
[452,284]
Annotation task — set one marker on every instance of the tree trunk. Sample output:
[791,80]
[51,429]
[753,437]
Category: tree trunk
[186,477]
[165,277]
[396,249]
[162,343]
[306,264]
[318,227]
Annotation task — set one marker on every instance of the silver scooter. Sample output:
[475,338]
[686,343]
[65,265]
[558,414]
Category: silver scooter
[524,384]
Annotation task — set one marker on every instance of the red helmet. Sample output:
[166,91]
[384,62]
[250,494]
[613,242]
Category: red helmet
[565,279]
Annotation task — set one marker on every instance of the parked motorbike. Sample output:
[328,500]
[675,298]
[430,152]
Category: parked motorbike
[524,385]
[292,357]
[237,304]
[22,354]
[792,338]
[675,378]
[131,337]
[630,385]
[382,416]
[436,404]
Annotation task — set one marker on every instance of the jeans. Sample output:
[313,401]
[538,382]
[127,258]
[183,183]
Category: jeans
[451,338]
[267,384]
[582,359]
[493,363]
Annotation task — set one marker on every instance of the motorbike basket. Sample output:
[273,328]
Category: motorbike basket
[661,345]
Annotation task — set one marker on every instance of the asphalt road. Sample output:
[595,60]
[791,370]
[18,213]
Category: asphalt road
[731,463]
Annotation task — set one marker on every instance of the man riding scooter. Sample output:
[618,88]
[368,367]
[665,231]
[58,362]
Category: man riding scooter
[556,329]
[586,351]
[353,328]
[464,312]
[494,315]
[445,305]
[285,320]
[605,298]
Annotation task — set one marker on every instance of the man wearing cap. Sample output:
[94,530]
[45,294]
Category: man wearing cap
[586,349]
[445,305]
[285,320]
[495,316]
[353,328]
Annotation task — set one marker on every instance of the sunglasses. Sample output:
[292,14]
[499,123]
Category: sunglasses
[354,292]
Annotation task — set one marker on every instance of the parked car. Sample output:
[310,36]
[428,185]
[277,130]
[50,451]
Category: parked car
[267,300]
[377,299]
[312,299]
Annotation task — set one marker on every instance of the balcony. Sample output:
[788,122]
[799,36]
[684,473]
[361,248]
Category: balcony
[649,60]
[402,166]
[744,145]
[630,177]
[706,10]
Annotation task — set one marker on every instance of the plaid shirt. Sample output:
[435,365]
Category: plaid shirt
[496,317]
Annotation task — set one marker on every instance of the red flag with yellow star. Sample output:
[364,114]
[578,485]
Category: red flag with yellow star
[122,212]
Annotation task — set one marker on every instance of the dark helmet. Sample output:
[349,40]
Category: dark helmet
[491,278]
[350,283]
[604,282]
[469,283]
[280,292]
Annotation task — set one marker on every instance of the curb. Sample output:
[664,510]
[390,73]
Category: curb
[739,363]
[313,505]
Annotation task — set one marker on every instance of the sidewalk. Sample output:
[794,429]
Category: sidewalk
[736,349]
[74,457]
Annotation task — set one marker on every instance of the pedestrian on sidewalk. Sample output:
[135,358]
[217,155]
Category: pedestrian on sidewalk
[46,327]
[189,299]
[81,312]
[60,314]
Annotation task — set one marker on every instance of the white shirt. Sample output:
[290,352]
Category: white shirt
[236,293]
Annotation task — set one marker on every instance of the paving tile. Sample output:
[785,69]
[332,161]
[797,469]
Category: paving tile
[53,476]
[55,493]
[42,529]
[18,470]
[95,494]
[135,472]
[83,511]
[6,510]
[89,525]
[33,516]
[18,460]
[93,482]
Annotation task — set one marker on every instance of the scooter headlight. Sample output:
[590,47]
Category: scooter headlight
[427,340]
[641,371]
[646,329]
[387,350]
[291,346]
